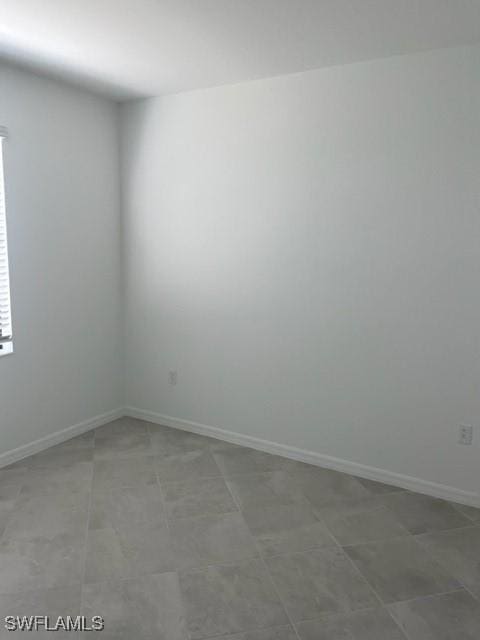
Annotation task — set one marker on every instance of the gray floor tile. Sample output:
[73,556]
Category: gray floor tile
[8,498]
[378,488]
[147,608]
[123,445]
[75,475]
[121,427]
[60,458]
[472,513]
[154,500]
[226,599]
[454,616]
[275,633]
[197,497]
[167,441]
[475,590]
[222,445]
[83,441]
[319,581]
[128,552]
[65,486]
[373,624]
[459,552]
[421,514]
[265,489]
[125,472]
[14,473]
[187,466]
[126,506]
[212,539]
[56,500]
[240,460]
[42,562]
[286,528]
[400,570]
[43,517]
[345,507]
[63,601]
[365,526]
[325,488]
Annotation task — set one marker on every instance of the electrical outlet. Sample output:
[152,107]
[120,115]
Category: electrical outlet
[172,378]
[465,434]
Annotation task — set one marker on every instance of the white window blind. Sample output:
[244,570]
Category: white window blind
[5,309]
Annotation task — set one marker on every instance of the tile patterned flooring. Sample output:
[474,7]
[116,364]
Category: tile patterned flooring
[173,536]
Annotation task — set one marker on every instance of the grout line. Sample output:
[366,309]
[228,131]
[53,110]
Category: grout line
[357,570]
[329,615]
[236,634]
[437,558]
[433,557]
[12,510]
[324,547]
[375,592]
[203,514]
[430,595]
[407,536]
[373,509]
[399,625]
[443,531]
[89,508]
[467,589]
[170,541]
[336,542]
[457,505]
[133,578]
[157,479]
[232,476]
[164,504]
[262,560]
[435,595]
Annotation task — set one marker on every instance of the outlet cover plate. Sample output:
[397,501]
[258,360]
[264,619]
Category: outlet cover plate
[465,434]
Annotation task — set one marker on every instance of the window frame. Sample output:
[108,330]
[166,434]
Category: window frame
[6,344]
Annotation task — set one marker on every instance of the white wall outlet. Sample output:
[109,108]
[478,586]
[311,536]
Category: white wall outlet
[172,378]
[465,434]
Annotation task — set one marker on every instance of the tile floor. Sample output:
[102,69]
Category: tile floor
[173,536]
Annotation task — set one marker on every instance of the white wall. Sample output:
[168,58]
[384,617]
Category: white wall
[61,166]
[305,252]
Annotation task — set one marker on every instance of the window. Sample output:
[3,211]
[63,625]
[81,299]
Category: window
[6,345]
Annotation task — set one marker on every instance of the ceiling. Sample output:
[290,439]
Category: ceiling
[130,48]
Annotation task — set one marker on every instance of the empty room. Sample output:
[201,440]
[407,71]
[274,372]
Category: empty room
[240,319]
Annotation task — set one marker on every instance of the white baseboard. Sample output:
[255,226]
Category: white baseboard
[418,485]
[14,455]
[411,483]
